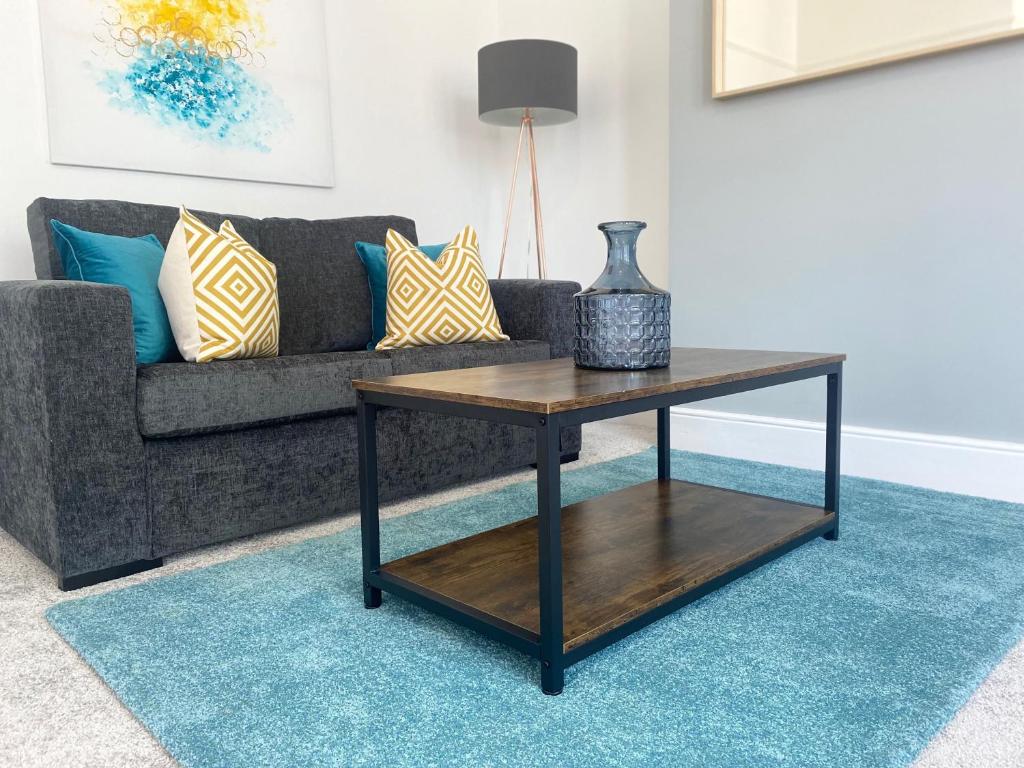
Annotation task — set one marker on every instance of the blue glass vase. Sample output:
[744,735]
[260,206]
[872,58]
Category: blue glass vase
[622,320]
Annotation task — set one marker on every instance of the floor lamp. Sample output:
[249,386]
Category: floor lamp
[527,83]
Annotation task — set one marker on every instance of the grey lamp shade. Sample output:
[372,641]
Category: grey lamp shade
[539,75]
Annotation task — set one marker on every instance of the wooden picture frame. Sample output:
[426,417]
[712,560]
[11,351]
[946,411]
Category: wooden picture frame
[720,89]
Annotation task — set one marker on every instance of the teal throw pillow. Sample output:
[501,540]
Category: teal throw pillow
[131,262]
[375,259]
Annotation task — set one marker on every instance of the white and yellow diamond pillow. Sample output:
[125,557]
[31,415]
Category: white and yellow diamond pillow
[220,294]
[442,302]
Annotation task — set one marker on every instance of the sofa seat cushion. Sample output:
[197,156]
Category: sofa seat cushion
[192,398]
[447,357]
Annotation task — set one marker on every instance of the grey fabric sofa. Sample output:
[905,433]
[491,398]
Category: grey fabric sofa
[106,467]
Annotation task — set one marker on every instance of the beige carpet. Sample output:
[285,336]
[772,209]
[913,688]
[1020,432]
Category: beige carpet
[55,712]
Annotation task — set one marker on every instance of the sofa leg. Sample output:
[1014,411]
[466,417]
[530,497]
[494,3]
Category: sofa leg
[567,458]
[69,583]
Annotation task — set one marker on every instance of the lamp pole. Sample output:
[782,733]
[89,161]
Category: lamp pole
[526,130]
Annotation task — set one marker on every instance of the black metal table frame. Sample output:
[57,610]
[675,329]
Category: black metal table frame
[549,649]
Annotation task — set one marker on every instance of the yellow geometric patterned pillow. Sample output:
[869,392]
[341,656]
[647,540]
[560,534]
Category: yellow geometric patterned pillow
[442,302]
[220,294]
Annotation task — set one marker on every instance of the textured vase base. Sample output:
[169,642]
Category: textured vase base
[622,331]
[627,367]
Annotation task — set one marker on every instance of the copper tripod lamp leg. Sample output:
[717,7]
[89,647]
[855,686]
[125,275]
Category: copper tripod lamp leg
[511,196]
[526,130]
[538,219]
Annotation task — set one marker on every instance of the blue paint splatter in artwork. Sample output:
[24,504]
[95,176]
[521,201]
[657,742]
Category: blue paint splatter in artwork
[217,100]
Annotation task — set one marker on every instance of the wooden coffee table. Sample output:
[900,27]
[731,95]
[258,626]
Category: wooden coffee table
[571,581]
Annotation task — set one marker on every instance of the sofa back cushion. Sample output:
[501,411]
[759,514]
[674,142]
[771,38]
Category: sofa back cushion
[322,287]
[113,217]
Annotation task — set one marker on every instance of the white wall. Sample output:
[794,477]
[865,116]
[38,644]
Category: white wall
[877,213]
[403,94]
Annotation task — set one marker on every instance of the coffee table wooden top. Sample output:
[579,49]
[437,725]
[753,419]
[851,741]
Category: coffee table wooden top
[554,386]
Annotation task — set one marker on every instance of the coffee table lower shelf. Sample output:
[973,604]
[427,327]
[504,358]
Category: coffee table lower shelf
[628,558]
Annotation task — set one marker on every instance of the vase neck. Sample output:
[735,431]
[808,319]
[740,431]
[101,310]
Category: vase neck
[622,250]
[621,272]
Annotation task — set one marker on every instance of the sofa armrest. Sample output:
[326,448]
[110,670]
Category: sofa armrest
[537,309]
[72,471]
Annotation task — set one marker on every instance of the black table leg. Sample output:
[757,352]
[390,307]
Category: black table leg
[369,512]
[664,457]
[833,427]
[549,529]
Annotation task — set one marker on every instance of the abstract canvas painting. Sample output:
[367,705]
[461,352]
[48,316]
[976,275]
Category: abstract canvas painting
[227,88]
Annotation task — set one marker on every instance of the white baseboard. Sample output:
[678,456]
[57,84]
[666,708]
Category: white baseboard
[986,468]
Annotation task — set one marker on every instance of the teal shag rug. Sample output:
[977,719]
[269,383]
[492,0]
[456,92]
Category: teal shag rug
[852,653]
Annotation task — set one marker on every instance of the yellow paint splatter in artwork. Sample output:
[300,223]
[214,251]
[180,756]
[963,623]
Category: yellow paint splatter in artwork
[227,29]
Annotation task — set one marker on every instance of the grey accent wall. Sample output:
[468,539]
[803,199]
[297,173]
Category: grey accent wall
[880,213]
